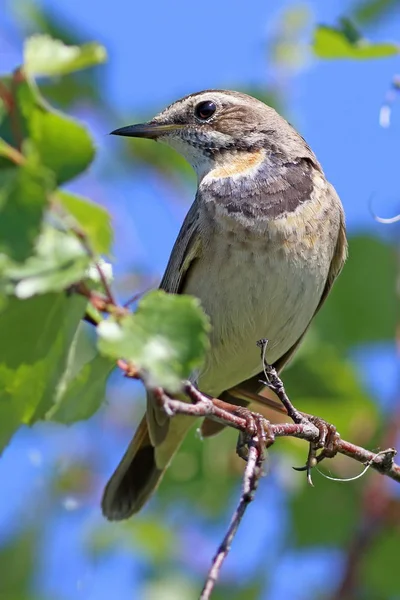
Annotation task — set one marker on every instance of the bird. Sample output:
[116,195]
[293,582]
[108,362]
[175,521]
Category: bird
[260,247]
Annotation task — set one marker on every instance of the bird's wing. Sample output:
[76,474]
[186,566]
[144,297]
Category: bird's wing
[254,385]
[186,250]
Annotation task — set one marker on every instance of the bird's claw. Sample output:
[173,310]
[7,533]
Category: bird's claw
[327,442]
[255,429]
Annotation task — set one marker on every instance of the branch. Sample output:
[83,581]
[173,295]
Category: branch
[251,476]
[255,432]
[243,420]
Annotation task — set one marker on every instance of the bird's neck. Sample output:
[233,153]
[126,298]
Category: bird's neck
[258,185]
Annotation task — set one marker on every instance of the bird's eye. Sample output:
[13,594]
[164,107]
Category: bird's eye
[205,110]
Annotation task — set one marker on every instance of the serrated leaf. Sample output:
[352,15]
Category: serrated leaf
[354,312]
[36,335]
[23,199]
[44,55]
[92,218]
[82,388]
[59,261]
[342,43]
[166,337]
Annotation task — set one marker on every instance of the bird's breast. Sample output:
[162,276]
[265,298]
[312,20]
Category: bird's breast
[259,281]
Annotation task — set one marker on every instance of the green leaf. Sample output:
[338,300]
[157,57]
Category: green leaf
[324,383]
[373,11]
[3,110]
[82,388]
[77,87]
[36,336]
[23,199]
[166,337]
[92,218]
[254,589]
[44,55]
[18,565]
[345,42]
[350,31]
[149,536]
[62,144]
[59,261]
[362,307]
[206,476]
[379,561]
[324,515]
[11,154]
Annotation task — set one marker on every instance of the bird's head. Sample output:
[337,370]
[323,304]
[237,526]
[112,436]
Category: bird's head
[222,129]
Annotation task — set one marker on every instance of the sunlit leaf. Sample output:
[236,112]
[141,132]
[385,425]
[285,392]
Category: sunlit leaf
[167,337]
[44,55]
[59,261]
[93,219]
[344,42]
[76,87]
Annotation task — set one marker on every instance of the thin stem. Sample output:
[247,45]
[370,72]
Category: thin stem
[251,477]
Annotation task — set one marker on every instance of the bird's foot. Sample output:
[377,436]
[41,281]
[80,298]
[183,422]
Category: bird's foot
[327,442]
[256,429]
[328,437]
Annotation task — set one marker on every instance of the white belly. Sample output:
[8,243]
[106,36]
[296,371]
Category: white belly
[254,290]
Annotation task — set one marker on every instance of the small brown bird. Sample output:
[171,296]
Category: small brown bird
[261,247]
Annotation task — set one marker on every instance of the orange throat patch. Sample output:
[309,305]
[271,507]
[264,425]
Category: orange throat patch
[238,164]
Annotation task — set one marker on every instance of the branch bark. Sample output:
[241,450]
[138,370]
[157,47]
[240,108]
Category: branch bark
[256,433]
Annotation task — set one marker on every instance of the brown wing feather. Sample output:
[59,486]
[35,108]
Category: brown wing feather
[186,251]
[151,449]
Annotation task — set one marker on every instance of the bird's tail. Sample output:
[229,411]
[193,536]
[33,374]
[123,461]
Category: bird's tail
[141,469]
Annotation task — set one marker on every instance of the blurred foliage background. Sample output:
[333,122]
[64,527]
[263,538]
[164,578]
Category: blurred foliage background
[336,540]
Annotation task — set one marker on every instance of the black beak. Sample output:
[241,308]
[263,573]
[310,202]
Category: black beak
[146,130]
